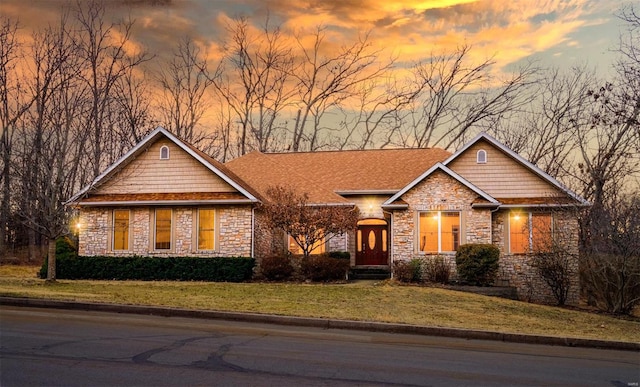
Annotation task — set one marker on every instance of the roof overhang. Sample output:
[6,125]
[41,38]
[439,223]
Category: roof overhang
[89,203]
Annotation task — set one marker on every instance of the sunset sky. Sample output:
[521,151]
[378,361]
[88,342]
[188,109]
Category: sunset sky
[555,32]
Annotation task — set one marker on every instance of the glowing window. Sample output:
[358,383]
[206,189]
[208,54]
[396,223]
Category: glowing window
[530,232]
[121,230]
[439,231]
[481,156]
[206,229]
[164,153]
[163,229]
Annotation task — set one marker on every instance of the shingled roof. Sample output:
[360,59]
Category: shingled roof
[326,175]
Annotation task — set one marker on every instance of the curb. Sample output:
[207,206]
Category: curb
[323,323]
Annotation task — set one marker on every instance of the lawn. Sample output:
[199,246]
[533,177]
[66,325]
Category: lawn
[364,301]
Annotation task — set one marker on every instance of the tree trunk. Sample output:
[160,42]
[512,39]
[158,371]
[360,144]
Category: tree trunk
[51,263]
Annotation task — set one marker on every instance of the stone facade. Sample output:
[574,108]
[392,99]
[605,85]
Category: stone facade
[516,269]
[233,232]
[439,192]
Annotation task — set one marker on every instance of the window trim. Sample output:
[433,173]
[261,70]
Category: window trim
[155,230]
[439,212]
[479,159]
[530,241]
[164,149]
[215,229]
[113,234]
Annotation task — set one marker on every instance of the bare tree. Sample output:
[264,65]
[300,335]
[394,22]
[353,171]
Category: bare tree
[325,81]
[252,79]
[307,224]
[103,46]
[133,107]
[184,83]
[13,104]
[49,167]
[454,96]
[544,131]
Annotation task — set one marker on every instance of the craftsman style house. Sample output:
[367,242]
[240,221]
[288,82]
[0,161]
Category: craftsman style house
[165,197]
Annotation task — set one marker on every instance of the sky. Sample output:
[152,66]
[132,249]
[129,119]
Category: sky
[553,32]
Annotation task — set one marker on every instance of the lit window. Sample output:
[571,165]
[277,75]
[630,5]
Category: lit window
[481,156]
[206,229]
[529,232]
[164,153]
[439,231]
[163,229]
[121,229]
[317,248]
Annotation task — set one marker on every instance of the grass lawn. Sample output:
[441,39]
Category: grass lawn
[364,301]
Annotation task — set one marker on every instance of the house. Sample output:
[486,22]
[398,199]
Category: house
[165,197]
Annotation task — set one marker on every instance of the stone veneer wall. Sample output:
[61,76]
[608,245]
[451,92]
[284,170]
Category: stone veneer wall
[516,270]
[233,234]
[438,192]
[441,192]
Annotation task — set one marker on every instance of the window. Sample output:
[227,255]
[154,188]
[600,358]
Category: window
[120,229]
[529,232]
[206,229]
[164,153]
[317,248]
[163,229]
[439,231]
[481,156]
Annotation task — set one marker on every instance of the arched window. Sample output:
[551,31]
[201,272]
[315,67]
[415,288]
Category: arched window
[481,156]
[164,153]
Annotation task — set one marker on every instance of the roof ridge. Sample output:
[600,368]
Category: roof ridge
[348,150]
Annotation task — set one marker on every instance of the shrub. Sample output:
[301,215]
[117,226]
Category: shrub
[408,271]
[477,263]
[437,270]
[276,268]
[324,268]
[221,269]
[555,269]
[611,281]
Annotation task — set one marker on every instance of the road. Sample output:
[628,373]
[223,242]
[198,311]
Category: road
[48,347]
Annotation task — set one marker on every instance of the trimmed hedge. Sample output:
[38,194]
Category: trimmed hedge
[477,263]
[219,269]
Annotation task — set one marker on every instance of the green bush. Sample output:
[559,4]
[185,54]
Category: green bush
[324,268]
[477,263]
[65,248]
[276,268]
[219,269]
[408,271]
[437,270]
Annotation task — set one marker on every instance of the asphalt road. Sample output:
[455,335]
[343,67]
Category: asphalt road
[48,347]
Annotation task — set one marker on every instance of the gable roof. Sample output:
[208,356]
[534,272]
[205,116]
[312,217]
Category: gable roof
[441,167]
[522,161]
[208,162]
[329,177]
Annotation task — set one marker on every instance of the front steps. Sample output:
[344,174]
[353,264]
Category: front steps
[370,273]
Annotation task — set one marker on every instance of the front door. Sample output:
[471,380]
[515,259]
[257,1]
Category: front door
[372,245]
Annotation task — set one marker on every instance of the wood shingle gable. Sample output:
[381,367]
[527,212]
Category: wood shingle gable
[142,172]
[507,176]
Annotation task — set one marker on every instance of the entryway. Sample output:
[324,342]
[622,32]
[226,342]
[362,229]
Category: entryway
[372,243]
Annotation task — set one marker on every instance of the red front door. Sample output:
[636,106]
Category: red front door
[372,245]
